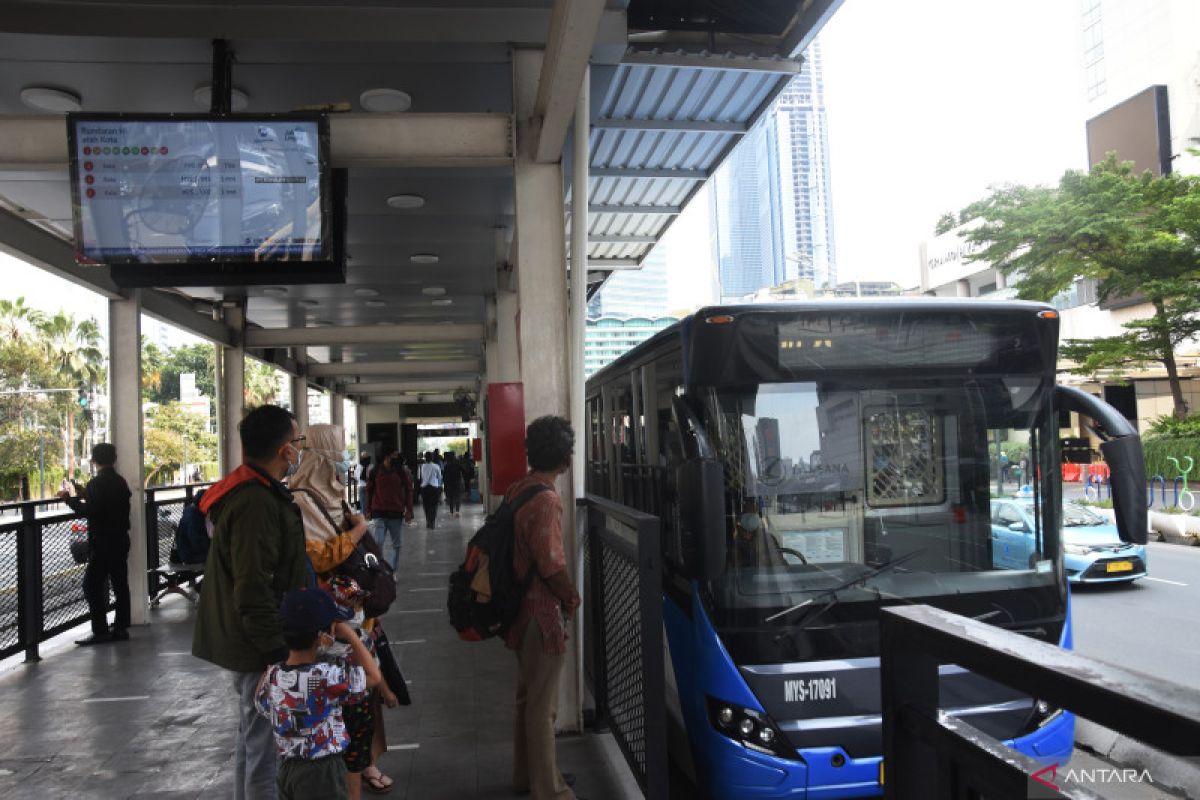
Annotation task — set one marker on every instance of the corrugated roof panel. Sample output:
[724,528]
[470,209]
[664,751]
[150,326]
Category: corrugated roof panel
[683,93]
[657,149]
[639,191]
[615,250]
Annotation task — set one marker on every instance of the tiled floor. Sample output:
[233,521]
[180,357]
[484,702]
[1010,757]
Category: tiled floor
[144,719]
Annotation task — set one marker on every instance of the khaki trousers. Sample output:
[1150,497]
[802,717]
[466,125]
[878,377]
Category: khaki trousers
[535,767]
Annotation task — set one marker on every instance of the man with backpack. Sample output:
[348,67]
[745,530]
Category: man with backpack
[539,635]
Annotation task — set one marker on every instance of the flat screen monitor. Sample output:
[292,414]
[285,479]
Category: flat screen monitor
[183,199]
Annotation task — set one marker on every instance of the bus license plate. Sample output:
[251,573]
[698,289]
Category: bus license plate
[1119,566]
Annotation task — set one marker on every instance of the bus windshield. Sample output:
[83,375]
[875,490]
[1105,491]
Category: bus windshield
[844,489]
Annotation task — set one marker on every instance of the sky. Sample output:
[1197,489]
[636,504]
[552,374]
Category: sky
[930,102]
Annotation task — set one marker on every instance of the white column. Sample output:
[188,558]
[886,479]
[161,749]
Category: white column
[300,388]
[232,396]
[337,410]
[580,156]
[125,425]
[542,287]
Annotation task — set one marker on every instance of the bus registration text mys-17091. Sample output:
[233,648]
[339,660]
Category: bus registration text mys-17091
[802,690]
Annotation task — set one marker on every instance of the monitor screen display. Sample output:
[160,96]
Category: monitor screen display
[199,189]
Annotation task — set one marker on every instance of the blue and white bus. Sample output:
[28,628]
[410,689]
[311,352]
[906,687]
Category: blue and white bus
[813,463]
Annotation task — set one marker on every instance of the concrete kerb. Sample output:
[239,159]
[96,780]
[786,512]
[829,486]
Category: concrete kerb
[1172,772]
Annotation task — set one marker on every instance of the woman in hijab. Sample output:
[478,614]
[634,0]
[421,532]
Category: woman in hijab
[318,491]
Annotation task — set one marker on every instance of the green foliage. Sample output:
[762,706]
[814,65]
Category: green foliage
[1169,425]
[172,436]
[261,382]
[945,224]
[1135,235]
[1158,449]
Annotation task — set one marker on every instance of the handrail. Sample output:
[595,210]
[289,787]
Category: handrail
[915,640]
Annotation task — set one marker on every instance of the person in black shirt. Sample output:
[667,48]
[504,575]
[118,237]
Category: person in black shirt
[105,503]
[452,480]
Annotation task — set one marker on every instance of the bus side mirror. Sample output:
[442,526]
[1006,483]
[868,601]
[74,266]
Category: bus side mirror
[1122,450]
[701,487]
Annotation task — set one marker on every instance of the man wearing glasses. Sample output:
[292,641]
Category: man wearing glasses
[257,555]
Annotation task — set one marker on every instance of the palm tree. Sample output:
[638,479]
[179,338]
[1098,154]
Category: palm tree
[74,350]
[18,319]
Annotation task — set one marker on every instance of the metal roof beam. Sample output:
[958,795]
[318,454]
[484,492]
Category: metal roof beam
[446,383]
[806,26]
[693,126]
[364,334]
[746,63]
[610,264]
[573,27]
[395,368]
[356,140]
[634,172]
[618,209]
[331,22]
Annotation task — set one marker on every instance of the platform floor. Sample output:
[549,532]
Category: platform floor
[144,719]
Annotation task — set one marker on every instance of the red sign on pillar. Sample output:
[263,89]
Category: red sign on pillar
[505,435]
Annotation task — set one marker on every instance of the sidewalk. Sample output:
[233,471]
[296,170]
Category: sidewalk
[144,719]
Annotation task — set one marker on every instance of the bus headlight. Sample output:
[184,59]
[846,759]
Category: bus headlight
[751,729]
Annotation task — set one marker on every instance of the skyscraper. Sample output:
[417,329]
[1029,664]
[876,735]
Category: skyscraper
[635,292]
[772,208]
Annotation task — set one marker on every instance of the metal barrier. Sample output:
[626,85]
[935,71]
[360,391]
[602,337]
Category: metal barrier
[41,586]
[40,583]
[623,636]
[931,755]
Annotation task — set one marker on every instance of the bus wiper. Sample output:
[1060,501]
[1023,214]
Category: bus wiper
[832,592]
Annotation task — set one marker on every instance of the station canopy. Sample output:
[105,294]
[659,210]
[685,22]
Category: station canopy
[674,85]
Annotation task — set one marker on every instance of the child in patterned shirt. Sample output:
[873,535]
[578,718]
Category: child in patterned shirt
[303,697]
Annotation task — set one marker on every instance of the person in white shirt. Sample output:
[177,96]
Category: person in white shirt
[431,489]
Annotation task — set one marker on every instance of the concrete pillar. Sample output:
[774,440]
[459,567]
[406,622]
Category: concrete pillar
[125,426]
[542,287]
[337,410]
[300,388]
[580,157]
[232,395]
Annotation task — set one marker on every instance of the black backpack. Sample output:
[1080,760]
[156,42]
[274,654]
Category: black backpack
[191,536]
[477,616]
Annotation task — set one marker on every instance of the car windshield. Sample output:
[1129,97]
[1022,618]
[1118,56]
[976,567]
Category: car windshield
[1076,516]
[872,491]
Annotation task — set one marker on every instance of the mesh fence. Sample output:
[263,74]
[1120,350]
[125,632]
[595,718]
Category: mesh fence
[62,579]
[8,586]
[624,669]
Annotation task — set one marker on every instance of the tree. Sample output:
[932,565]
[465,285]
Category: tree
[1135,235]
[173,436]
[261,382]
[945,224]
[73,348]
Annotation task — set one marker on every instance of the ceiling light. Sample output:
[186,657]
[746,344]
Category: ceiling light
[49,98]
[385,100]
[307,303]
[375,303]
[406,201]
[433,291]
[275,291]
[363,292]
[202,96]
[445,301]
[424,258]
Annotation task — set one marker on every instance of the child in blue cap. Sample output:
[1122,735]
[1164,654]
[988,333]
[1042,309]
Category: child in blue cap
[303,697]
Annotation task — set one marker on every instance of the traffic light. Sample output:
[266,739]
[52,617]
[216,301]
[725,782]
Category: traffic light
[83,398]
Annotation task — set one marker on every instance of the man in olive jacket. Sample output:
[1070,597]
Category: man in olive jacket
[257,555]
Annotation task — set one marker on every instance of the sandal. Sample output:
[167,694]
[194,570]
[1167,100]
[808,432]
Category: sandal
[377,783]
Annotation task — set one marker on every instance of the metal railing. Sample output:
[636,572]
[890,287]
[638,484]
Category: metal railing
[623,646]
[931,755]
[41,592]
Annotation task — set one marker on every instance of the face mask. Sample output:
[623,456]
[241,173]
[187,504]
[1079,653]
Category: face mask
[293,466]
[749,521]
[359,618]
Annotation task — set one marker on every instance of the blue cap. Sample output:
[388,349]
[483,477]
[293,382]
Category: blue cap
[307,610]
